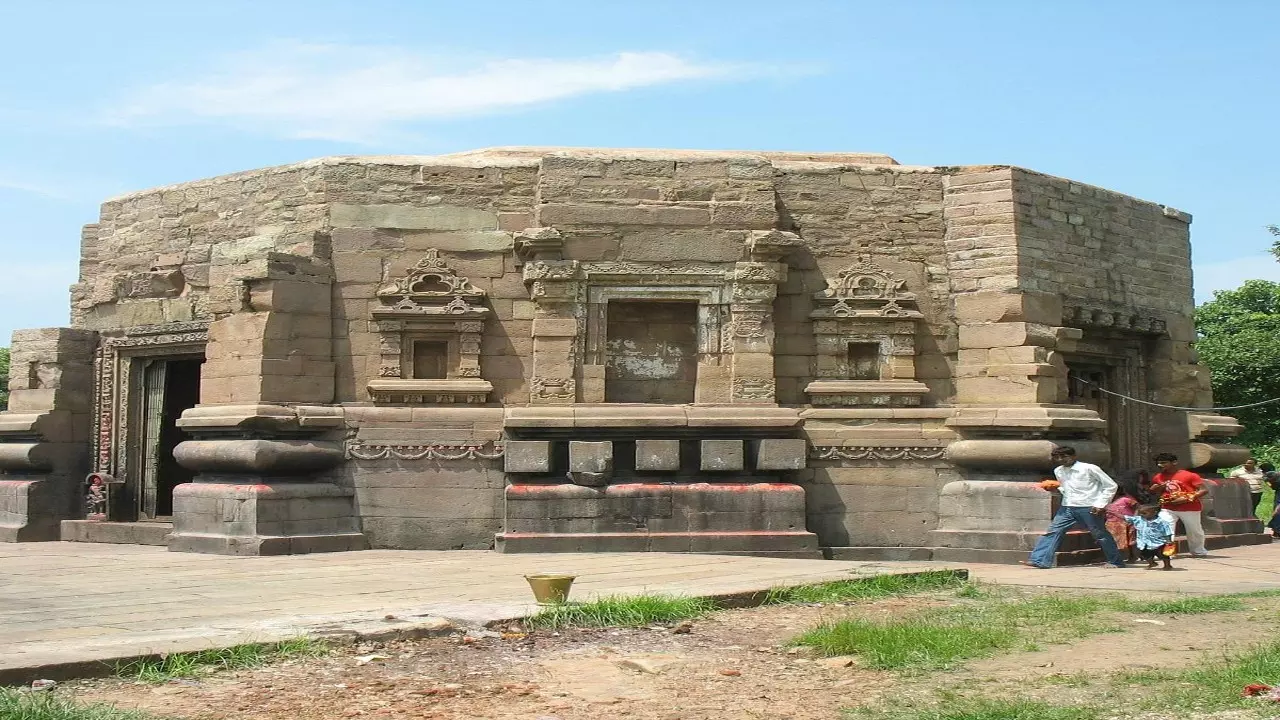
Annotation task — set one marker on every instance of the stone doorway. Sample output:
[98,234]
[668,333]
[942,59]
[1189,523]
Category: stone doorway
[1087,379]
[168,387]
[651,351]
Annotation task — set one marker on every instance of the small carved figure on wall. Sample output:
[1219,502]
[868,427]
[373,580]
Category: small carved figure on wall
[95,500]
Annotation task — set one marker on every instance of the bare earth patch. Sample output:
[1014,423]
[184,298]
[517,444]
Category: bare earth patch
[731,665]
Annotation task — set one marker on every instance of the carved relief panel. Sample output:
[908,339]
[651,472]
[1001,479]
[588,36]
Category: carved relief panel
[864,331]
[430,324]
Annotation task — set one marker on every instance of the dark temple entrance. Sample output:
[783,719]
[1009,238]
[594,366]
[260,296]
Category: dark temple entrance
[169,386]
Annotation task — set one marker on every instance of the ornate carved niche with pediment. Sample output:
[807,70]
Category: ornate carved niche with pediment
[864,328]
[430,322]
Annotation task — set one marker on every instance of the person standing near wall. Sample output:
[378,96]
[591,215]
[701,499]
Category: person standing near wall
[1086,491]
[1252,474]
[1182,491]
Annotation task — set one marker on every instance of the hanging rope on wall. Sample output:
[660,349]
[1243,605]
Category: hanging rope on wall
[1129,398]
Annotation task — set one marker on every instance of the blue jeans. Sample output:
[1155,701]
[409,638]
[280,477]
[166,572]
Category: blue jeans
[1064,520]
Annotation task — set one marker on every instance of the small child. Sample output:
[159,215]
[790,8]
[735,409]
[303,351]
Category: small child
[1154,536]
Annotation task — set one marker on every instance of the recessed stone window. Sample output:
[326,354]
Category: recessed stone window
[430,359]
[651,351]
[863,361]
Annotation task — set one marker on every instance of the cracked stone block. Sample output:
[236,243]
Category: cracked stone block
[527,456]
[781,454]
[590,457]
[721,455]
[657,455]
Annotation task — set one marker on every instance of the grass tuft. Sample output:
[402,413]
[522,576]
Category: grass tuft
[1210,686]
[621,611]
[926,643]
[982,710]
[1180,606]
[21,705]
[943,637]
[870,588]
[207,662]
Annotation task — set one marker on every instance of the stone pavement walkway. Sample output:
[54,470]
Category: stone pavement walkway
[68,603]
[64,603]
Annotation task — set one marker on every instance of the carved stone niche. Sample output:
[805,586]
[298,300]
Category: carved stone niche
[430,322]
[865,328]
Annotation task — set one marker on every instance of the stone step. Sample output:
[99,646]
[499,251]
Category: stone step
[765,543]
[120,533]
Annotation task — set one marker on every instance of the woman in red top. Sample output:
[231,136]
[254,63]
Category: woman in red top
[1181,494]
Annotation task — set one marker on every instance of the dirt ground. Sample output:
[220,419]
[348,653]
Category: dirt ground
[731,665]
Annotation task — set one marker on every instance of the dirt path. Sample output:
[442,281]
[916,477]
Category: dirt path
[732,665]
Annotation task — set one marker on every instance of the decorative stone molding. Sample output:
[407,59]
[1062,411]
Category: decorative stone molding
[430,303]
[359,450]
[430,287]
[869,306]
[1081,317]
[754,389]
[870,452]
[439,392]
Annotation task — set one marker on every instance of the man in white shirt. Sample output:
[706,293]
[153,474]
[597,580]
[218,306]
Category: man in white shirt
[1086,490]
[1250,473]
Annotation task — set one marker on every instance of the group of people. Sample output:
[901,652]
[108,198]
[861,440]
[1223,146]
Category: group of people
[1149,504]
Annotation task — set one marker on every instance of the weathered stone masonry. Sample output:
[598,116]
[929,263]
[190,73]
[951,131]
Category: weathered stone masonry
[553,349]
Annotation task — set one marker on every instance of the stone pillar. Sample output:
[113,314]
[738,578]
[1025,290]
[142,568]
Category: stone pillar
[256,458]
[556,287]
[753,288]
[44,436]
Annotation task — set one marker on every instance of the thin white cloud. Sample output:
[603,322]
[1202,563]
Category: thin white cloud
[32,188]
[361,94]
[1231,274]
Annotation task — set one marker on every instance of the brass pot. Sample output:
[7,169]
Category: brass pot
[549,589]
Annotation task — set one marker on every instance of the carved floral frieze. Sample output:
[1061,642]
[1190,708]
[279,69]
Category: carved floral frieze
[872,452]
[359,450]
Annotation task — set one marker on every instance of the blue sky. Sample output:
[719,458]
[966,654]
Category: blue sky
[1169,101]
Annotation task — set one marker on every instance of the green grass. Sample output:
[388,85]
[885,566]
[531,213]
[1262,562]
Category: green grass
[870,588]
[1267,505]
[943,637]
[621,611]
[1211,685]
[206,662]
[1180,606]
[927,643]
[981,709]
[19,705]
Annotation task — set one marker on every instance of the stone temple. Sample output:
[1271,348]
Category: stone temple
[550,349]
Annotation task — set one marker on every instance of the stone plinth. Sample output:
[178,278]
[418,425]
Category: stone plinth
[736,517]
[228,518]
[44,436]
[252,494]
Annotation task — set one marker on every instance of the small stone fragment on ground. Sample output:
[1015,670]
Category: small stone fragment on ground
[839,661]
[649,664]
[730,672]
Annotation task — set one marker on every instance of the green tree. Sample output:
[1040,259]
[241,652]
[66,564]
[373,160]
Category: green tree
[1239,341]
[4,378]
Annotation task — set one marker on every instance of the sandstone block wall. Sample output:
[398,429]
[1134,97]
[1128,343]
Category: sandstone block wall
[991,254]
